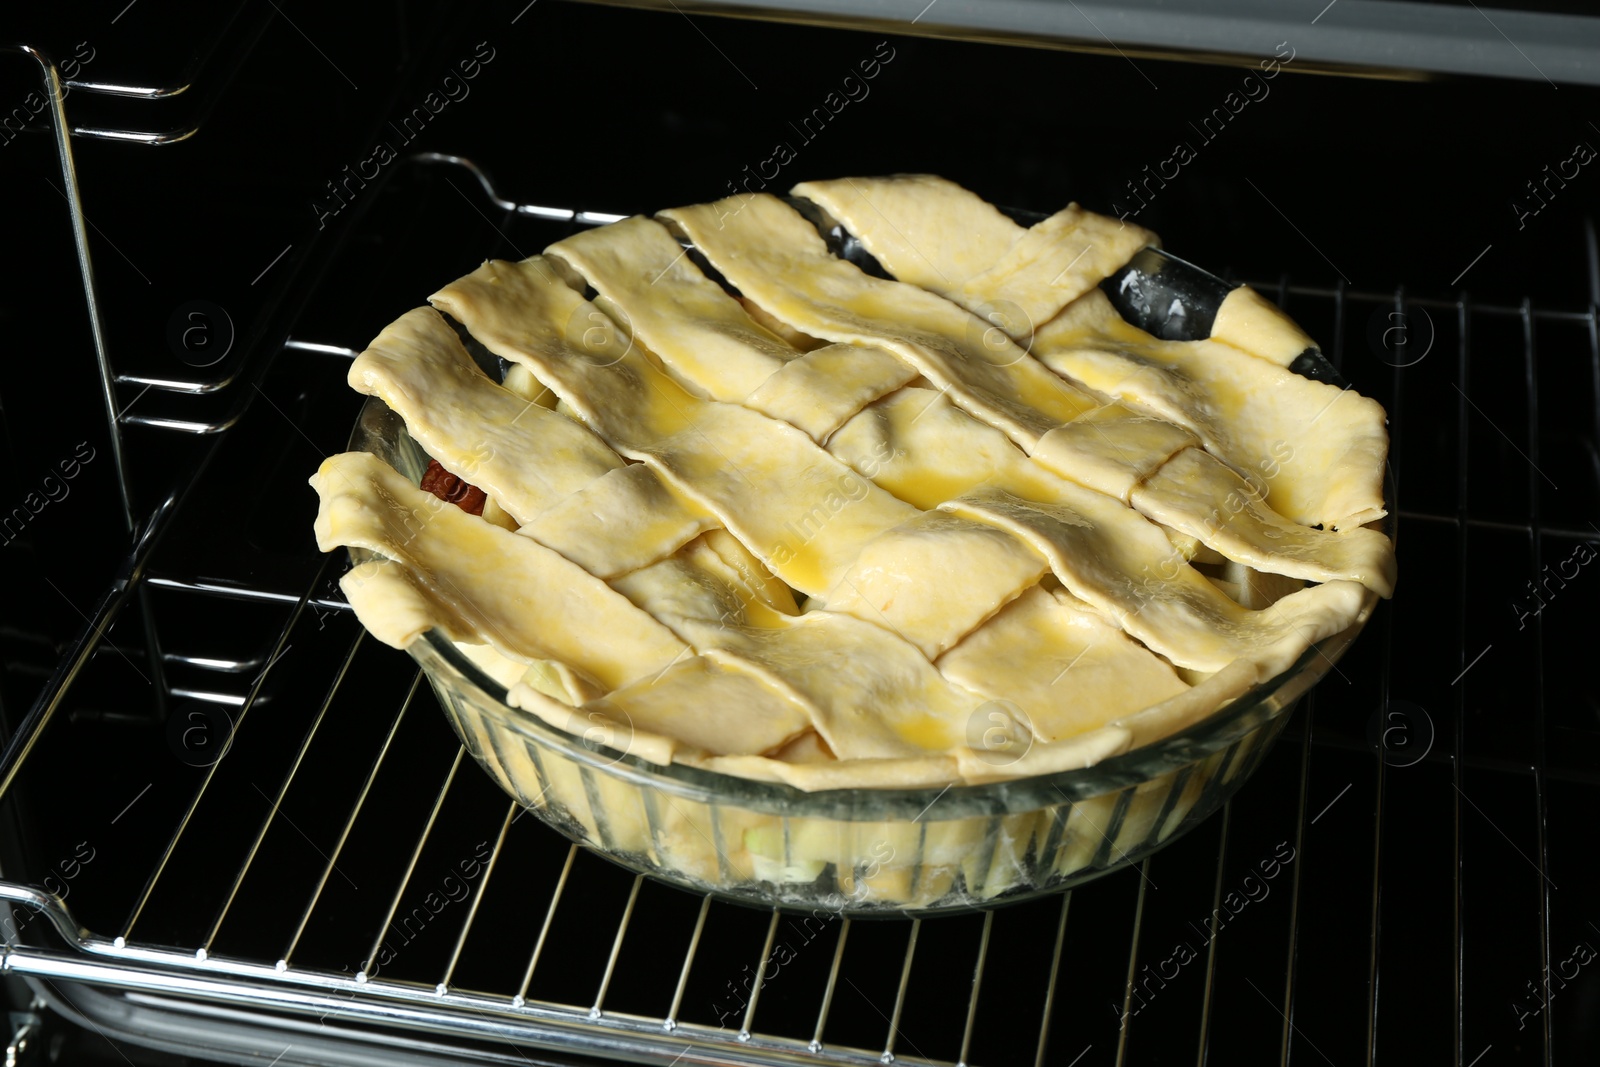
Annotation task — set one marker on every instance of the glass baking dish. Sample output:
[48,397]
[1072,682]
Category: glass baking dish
[859,852]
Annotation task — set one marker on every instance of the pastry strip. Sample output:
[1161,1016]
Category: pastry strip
[873,694]
[776,258]
[706,338]
[823,389]
[1014,278]
[1251,323]
[1190,706]
[1318,449]
[1123,566]
[526,600]
[1062,663]
[623,520]
[925,450]
[397,607]
[773,487]
[1197,494]
[1105,553]
[1111,449]
[1052,264]
[936,578]
[700,332]
[563,484]
[924,230]
[805,514]
[869,693]
[523,455]
[920,772]
[719,707]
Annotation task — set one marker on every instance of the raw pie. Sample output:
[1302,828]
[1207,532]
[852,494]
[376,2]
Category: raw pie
[838,530]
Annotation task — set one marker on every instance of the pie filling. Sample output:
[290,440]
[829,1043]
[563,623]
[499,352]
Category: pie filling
[838,530]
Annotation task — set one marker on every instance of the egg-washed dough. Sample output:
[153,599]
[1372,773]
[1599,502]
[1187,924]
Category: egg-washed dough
[923,579]
[1197,494]
[623,520]
[709,341]
[718,708]
[774,256]
[700,332]
[566,486]
[547,675]
[1103,552]
[1250,322]
[774,487]
[822,389]
[1125,568]
[805,514]
[396,605]
[975,535]
[925,450]
[1063,663]
[1014,278]
[1054,263]
[1111,449]
[470,577]
[521,597]
[1319,450]
[476,429]
[869,692]
[909,222]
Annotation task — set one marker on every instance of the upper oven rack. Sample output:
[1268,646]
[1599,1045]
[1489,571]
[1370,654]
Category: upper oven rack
[580,1019]
[234,37]
[204,73]
[1373,38]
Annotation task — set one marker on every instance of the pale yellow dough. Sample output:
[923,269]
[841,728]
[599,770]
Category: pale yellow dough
[1126,569]
[566,486]
[1250,322]
[824,388]
[1052,264]
[964,526]
[773,255]
[700,332]
[1014,278]
[1197,494]
[771,483]
[906,222]
[1062,663]
[1318,450]
[709,342]
[521,597]
[623,520]
[476,429]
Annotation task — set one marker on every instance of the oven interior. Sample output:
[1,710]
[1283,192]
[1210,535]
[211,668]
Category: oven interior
[1403,877]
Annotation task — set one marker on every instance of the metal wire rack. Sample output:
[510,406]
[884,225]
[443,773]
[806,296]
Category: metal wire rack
[233,36]
[240,890]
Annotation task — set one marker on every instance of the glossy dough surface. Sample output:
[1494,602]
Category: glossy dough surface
[832,529]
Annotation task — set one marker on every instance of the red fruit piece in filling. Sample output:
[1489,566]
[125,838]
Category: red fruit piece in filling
[447,487]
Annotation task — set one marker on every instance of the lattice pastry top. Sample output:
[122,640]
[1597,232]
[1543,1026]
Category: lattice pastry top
[833,530]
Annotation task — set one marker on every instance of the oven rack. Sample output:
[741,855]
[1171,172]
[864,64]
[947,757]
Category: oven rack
[224,49]
[1366,37]
[191,973]
[586,1025]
